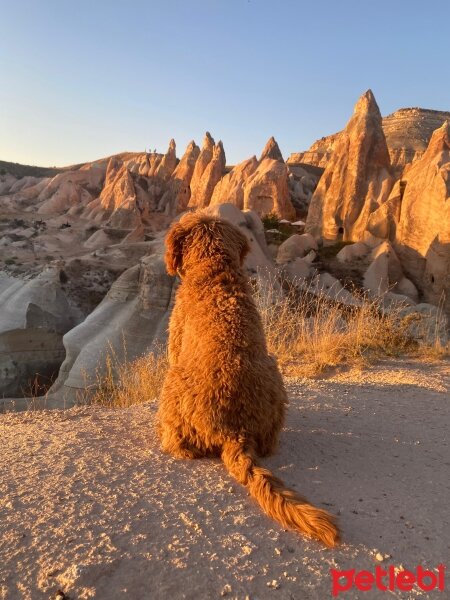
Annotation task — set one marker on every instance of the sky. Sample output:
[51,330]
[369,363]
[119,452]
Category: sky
[87,79]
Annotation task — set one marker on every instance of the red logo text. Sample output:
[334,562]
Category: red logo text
[388,579]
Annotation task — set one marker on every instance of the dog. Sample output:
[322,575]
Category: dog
[223,394]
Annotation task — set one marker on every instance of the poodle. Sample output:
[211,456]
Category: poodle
[223,394]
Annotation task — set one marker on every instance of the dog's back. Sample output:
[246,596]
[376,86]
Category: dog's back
[236,383]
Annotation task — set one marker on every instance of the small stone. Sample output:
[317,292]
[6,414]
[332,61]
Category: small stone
[226,589]
[278,551]
[273,584]
[379,557]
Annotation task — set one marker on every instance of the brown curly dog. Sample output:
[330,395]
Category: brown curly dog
[223,394]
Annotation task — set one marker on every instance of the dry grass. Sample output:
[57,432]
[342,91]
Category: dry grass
[309,333]
[122,384]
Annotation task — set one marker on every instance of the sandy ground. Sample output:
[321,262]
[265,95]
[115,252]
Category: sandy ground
[90,506]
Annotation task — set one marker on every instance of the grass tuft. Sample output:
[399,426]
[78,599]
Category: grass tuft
[131,382]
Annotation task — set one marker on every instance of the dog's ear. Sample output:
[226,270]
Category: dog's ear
[174,248]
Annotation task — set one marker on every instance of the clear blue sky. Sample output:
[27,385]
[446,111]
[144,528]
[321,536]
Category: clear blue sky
[80,80]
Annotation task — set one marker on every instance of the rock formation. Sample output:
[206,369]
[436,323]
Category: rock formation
[384,271]
[303,180]
[407,132]
[382,222]
[272,150]
[180,191]
[357,179]
[267,192]
[168,162]
[202,162]
[71,189]
[131,319]
[422,238]
[296,246]
[262,186]
[33,318]
[117,200]
[231,187]
[208,171]
[318,154]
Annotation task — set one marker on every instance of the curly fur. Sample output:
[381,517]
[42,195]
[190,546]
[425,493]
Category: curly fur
[223,394]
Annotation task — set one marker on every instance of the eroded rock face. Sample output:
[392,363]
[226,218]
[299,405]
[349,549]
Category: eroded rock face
[303,180]
[231,187]
[131,320]
[407,132]
[382,222]
[384,271]
[262,186]
[117,200]
[267,191]
[166,167]
[71,189]
[272,150]
[318,154]
[296,246]
[207,173]
[202,162]
[357,179]
[34,316]
[423,233]
[180,191]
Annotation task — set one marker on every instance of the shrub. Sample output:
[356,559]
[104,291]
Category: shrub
[270,221]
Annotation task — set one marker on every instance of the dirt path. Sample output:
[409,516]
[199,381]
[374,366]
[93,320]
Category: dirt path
[89,505]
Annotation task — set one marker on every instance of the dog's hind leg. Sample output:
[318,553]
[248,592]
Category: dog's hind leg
[176,445]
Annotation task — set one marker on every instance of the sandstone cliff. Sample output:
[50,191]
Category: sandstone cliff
[407,132]
[423,232]
[33,318]
[208,171]
[262,186]
[272,150]
[357,179]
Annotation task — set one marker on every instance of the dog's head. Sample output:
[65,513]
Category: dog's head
[199,238]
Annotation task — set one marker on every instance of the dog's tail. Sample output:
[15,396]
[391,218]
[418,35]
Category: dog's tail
[291,510]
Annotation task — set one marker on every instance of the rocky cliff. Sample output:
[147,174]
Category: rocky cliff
[407,131]
[357,178]
[423,232]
